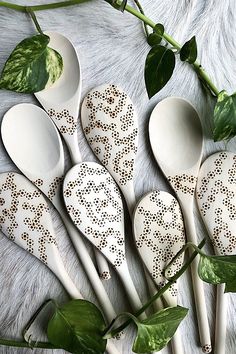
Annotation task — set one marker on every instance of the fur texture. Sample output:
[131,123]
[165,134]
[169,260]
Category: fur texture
[112,49]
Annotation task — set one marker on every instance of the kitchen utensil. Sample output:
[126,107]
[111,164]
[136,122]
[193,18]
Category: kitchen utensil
[216,198]
[176,138]
[34,145]
[159,234]
[110,125]
[62,101]
[26,220]
[94,203]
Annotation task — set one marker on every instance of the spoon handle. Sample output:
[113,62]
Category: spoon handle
[198,288]
[130,289]
[88,265]
[221,320]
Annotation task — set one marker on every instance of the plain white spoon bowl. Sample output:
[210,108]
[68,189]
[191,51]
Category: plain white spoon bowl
[176,139]
[34,145]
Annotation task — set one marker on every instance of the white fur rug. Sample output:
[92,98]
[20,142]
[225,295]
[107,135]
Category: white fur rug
[112,49]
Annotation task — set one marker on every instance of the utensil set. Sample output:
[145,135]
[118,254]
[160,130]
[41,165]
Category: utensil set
[93,200]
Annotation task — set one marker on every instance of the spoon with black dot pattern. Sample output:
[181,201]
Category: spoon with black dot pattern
[216,198]
[61,101]
[176,138]
[95,206]
[26,220]
[159,235]
[110,125]
[35,146]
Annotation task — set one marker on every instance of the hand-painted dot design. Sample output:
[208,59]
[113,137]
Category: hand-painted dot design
[65,122]
[110,126]
[159,234]
[94,203]
[54,186]
[105,275]
[216,195]
[23,211]
[183,183]
[207,348]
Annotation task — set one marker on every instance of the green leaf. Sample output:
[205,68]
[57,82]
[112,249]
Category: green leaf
[189,51]
[159,66]
[32,66]
[156,331]
[117,5]
[78,327]
[154,39]
[159,29]
[225,117]
[218,270]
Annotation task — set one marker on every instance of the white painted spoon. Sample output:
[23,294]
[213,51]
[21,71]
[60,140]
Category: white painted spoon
[110,125]
[159,234]
[216,197]
[34,145]
[176,138]
[62,102]
[26,220]
[94,203]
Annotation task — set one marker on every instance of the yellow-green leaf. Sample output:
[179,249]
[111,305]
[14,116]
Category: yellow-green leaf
[32,66]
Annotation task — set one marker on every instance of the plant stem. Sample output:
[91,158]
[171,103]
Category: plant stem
[159,293]
[32,15]
[49,6]
[23,344]
[139,6]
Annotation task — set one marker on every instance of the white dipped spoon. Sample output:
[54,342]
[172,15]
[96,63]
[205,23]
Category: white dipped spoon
[62,102]
[94,203]
[176,139]
[26,220]
[216,197]
[110,125]
[34,145]
[159,234]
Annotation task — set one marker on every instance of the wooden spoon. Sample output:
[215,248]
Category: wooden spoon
[26,220]
[159,234]
[62,101]
[216,197]
[176,138]
[110,125]
[34,145]
[94,204]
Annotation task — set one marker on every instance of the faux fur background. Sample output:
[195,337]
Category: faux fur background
[112,49]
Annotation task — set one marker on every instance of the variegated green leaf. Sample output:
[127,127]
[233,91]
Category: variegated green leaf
[218,270]
[225,117]
[155,332]
[32,66]
[189,51]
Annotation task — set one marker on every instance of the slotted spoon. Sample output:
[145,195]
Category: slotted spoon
[216,197]
[159,234]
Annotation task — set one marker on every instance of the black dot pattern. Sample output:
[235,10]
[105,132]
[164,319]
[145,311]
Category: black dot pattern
[65,122]
[207,348]
[159,234]
[216,194]
[94,204]
[184,183]
[110,126]
[24,214]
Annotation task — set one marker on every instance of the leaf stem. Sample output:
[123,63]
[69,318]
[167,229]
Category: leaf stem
[48,6]
[34,18]
[139,6]
[116,331]
[23,344]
